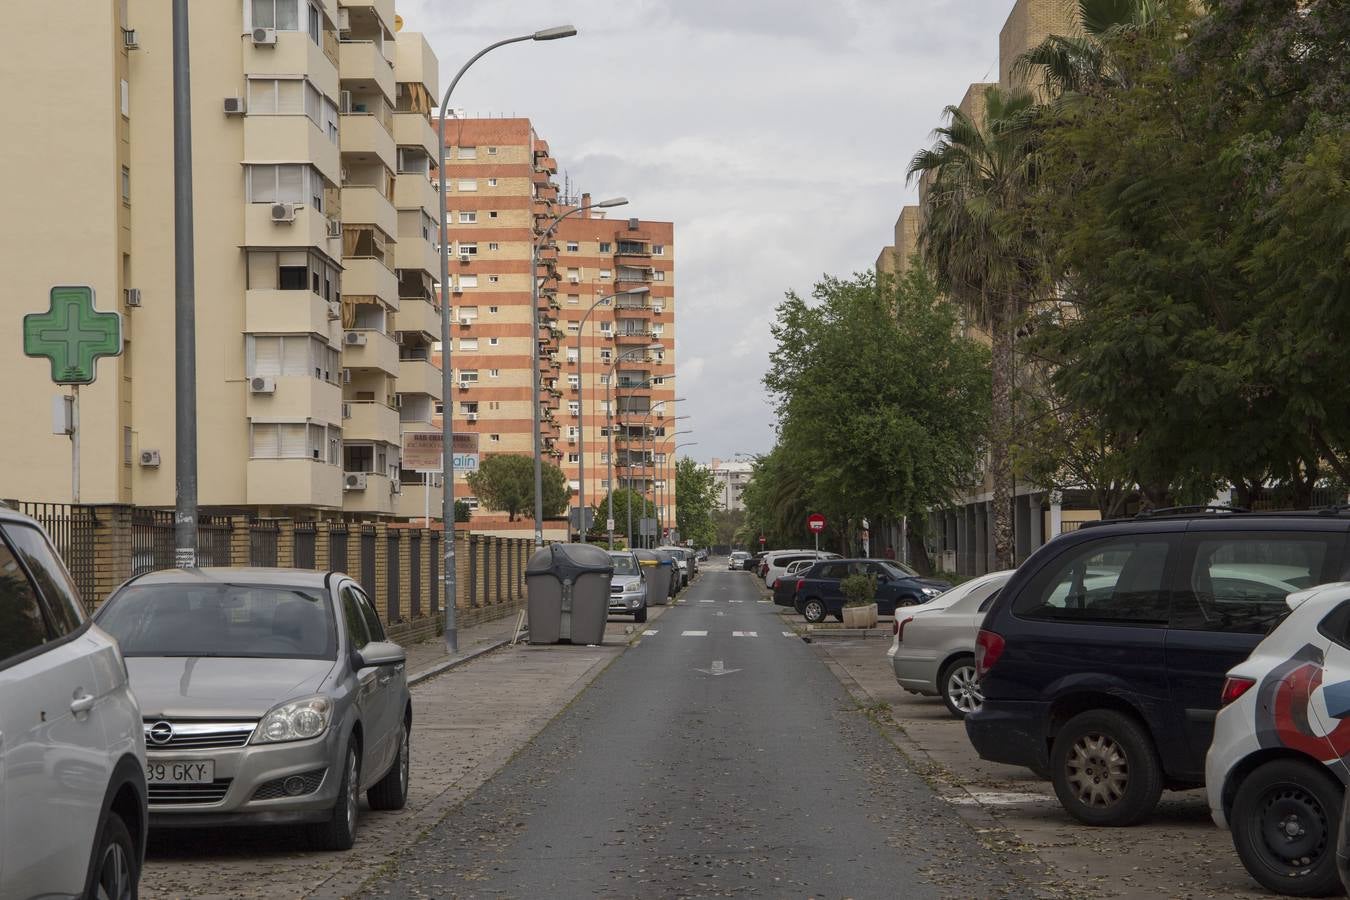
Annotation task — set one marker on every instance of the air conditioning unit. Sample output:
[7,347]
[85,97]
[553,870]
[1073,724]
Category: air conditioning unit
[465,320]
[345,101]
[334,228]
[346,376]
[465,258]
[471,417]
[334,310]
[234,106]
[346,410]
[150,459]
[344,20]
[283,212]
[465,385]
[262,384]
[129,39]
[133,296]
[264,37]
[354,481]
[354,339]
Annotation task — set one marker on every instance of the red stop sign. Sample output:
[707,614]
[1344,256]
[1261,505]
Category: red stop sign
[816,522]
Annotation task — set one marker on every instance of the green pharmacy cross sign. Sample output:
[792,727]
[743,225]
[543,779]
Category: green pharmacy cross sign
[72,334]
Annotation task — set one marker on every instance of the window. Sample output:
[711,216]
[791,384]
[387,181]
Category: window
[468,217]
[658,249]
[492,214]
[467,184]
[605,356]
[605,247]
[25,629]
[492,309]
[287,440]
[413,161]
[469,375]
[283,15]
[468,312]
[494,438]
[467,282]
[467,249]
[126,445]
[1110,580]
[493,342]
[372,618]
[571,431]
[492,151]
[573,457]
[573,327]
[297,355]
[573,408]
[573,299]
[494,373]
[574,276]
[492,182]
[469,344]
[606,274]
[572,354]
[285,183]
[53,582]
[493,279]
[573,247]
[467,153]
[1237,582]
[574,381]
[126,185]
[606,327]
[277,96]
[126,98]
[658,275]
[358,632]
[493,245]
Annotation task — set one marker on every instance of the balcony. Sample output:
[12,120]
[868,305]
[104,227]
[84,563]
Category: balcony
[632,338]
[414,63]
[630,275]
[367,277]
[294,482]
[381,9]
[297,398]
[368,420]
[364,348]
[413,190]
[367,137]
[309,228]
[418,315]
[367,205]
[291,312]
[413,130]
[362,61]
[416,253]
[293,53]
[418,376]
[270,138]
[376,498]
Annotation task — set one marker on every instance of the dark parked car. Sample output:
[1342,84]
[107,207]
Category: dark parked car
[751,562]
[1102,662]
[819,594]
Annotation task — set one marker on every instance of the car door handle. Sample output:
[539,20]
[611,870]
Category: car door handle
[82,703]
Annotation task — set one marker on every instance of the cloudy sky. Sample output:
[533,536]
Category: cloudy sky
[774,133]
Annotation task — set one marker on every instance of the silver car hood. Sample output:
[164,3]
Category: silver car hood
[622,580]
[171,687]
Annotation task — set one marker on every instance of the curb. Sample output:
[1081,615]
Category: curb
[436,669]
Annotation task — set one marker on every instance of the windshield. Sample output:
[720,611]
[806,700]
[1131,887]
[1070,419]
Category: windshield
[231,620]
[624,564]
[899,568]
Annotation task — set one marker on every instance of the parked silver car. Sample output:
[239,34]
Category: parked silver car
[933,650]
[628,587]
[269,696]
[72,761]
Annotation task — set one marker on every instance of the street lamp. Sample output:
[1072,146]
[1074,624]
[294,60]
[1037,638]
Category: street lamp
[609,428]
[581,402]
[447,419]
[535,377]
[645,436]
[665,490]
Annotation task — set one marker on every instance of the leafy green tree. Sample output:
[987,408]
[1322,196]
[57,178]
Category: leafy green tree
[696,496]
[462,511]
[728,525]
[622,499]
[979,243]
[505,482]
[1075,64]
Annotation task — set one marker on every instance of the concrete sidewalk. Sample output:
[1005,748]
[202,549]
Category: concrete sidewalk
[429,658]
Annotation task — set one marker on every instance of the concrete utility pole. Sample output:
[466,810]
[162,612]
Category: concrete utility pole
[447,372]
[185,304]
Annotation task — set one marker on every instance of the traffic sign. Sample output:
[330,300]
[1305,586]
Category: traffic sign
[761,539]
[816,522]
[72,335]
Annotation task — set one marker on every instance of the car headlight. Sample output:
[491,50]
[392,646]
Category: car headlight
[931,592]
[298,720]
[634,587]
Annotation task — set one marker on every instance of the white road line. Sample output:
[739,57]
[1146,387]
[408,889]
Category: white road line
[763,601]
[998,798]
[785,634]
[693,634]
[651,631]
[745,634]
[708,601]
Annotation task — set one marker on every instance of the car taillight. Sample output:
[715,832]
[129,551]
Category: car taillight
[1234,688]
[900,627]
[800,582]
[988,648]
[775,584]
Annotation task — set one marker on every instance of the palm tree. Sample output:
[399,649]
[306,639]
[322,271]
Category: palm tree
[975,241]
[1079,64]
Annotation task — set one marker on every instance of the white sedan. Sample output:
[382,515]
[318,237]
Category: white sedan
[1277,765]
[933,648]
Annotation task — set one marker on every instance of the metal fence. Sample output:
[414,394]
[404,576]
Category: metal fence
[263,535]
[71,529]
[337,548]
[306,546]
[368,558]
[152,540]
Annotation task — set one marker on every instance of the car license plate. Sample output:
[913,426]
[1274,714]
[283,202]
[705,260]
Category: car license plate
[170,772]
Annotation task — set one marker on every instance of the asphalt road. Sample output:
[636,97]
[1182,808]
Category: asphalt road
[666,780]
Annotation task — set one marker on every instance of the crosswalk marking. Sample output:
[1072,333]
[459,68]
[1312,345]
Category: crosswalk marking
[735,601]
[649,631]
[745,634]
[785,634]
[763,601]
[694,634]
[705,601]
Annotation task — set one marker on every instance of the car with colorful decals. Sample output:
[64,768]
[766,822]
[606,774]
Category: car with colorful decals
[1276,771]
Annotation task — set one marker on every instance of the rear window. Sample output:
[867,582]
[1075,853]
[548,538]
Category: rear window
[1112,580]
[224,620]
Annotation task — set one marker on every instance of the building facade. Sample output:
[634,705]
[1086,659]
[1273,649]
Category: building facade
[731,477]
[503,198]
[315,223]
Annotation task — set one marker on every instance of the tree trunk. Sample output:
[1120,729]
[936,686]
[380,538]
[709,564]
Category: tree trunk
[1000,429]
[918,552]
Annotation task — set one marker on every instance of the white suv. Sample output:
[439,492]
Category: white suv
[72,755]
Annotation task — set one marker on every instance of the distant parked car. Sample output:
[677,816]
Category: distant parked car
[684,566]
[1276,768]
[270,697]
[819,593]
[736,560]
[785,586]
[72,762]
[701,554]
[752,562]
[628,587]
[776,563]
[1102,661]
[933,651]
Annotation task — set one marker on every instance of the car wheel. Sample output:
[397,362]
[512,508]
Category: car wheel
[391,791]
[339,832]
[1285,820]
[1105,769]
[814,611]
[960,688]
[640,615]
[115,868]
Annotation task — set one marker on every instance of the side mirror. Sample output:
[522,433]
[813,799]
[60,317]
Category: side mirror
[379,653]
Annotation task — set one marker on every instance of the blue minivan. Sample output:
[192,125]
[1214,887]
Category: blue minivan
[1102,662]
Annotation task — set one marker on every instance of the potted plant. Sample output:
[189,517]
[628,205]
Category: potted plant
[860,605]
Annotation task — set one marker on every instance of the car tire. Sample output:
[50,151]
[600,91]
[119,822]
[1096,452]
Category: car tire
[116,862]
[1105,769]
[1284,794]
[640,616]
[813,611]
[960,689]
[391,791]
[339,832]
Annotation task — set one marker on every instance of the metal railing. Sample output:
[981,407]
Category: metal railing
[71,529]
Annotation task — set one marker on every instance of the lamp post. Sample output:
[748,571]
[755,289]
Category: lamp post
[609,427]
[447,419]
[535,377]
[645,436]
[581,402]
[665,467]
